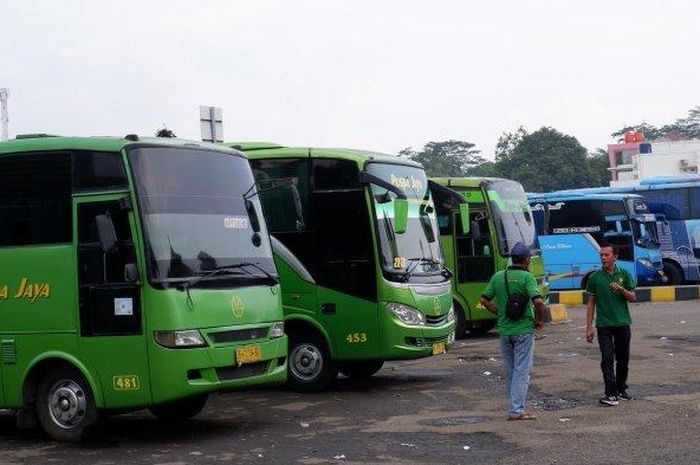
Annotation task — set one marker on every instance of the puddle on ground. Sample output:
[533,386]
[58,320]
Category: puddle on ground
[553,403]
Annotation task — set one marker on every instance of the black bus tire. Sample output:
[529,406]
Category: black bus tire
[65,405]
[460,320]
[309,367]
[361,369]
[180,410]
[674,275]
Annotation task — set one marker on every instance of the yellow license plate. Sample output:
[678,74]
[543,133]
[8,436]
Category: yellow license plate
[248,354]
[438,348]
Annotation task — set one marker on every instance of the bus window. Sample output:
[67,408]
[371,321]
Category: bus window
[35,199]
[475,261]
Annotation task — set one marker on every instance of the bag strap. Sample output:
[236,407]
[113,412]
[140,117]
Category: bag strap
[505,273]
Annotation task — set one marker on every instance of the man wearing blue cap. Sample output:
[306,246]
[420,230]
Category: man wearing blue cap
[516,293]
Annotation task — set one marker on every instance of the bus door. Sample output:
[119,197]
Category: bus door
[475,259]
[346,273]
[112,327]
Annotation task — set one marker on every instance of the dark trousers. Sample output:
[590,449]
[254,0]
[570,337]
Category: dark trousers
[614,345]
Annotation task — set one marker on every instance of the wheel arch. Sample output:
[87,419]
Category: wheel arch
[301,323]
[47,361]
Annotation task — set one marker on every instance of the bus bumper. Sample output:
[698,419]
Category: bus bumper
[178,373]
[403,342]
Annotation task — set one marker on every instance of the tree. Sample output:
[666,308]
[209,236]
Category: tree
[507,142]
[453,158]
[683,128]
[546,160]
[598,164]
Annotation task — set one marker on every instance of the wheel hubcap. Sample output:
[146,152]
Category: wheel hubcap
[67,403]
[306,361]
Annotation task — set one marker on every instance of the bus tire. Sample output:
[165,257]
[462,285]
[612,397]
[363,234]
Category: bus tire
[361,369]
[310,368]
[180,410]
[673,274]
[484,327]
[460,320]
[65,405]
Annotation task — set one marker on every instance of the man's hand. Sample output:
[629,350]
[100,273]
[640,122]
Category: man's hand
[539,324]
[590,335]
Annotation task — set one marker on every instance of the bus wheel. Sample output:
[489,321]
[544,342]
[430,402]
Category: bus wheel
[65,405]
[310,366]
[361,369]
[674,277]
[482,328]
[460,320]
[180,410]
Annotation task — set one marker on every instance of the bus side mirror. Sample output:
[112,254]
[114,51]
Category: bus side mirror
[131,273]
[105,230]
[297,205]
[400,215]
[464,217]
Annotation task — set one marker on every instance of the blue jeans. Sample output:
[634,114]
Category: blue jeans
[517,353]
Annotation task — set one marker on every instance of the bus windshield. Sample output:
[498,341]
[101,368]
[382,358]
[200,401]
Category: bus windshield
[195,219]
[512,215]
[417,251]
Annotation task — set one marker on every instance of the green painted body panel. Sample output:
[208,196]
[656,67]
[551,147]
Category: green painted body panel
[42,321]
[386,335]
[468,294]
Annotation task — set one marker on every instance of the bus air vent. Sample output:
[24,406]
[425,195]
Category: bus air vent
[245,371]
[9,351]
[237,335]
[435,320]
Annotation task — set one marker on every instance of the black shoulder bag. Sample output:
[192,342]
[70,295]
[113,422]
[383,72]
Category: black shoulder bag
[516,303]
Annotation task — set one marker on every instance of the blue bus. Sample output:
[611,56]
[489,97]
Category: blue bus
[572,225]
[675,202]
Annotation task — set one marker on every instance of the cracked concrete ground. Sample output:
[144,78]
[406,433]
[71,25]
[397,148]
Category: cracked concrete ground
[442,410]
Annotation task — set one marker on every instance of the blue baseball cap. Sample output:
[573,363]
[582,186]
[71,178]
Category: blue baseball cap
[520,250]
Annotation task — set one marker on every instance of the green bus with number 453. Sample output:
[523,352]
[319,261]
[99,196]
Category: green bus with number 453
[134,273]
[362,274]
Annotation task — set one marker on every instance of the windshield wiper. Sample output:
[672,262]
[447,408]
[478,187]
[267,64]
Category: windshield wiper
[228,269]
[417,261]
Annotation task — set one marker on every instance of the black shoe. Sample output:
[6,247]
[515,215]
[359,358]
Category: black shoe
[624,396]
[609,400]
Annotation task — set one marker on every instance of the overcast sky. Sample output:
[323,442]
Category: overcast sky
[380,75]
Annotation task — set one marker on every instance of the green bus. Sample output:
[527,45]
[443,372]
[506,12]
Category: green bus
[134,273]
[499,217]
[363,280]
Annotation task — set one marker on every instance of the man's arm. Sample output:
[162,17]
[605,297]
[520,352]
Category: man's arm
[540,310]
[590,335]
[489,305]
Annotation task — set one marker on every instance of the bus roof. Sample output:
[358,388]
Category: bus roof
[361,157]
[467,181]
[683,178]
[572,196]
[102,144]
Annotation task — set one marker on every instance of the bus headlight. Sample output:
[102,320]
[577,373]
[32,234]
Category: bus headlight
[277,329]
[645,262]
[451,314]
[406,314]
[180,339]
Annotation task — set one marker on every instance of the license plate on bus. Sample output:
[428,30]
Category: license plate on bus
[438,348]
[248,354]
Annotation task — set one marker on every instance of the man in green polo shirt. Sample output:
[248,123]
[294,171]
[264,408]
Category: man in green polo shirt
[609,290]
[516,335]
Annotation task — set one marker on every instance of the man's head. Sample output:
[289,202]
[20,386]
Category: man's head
[520,255]
[608,255]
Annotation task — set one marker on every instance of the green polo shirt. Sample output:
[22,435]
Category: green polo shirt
[611,307]
[520,281]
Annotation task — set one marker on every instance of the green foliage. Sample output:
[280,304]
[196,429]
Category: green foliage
[686,128]
[454,158]
[544,161]
[598,168]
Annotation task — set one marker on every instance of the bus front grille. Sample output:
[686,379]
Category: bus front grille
[238,335]
[244,371]
[435,320]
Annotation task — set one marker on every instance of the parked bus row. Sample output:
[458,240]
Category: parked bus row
[147,273]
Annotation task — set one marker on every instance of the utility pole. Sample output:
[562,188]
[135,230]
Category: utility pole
[4,118]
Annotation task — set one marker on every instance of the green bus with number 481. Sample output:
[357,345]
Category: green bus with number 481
[133,273]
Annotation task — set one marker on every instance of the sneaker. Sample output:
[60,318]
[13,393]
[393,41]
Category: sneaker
[609,400]
[623,395]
